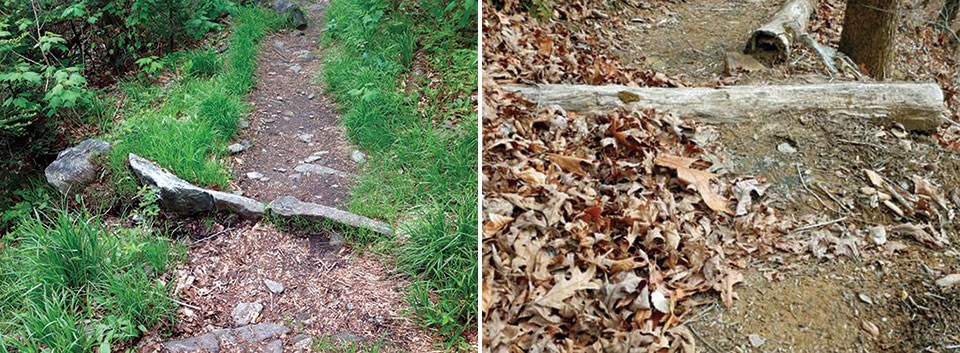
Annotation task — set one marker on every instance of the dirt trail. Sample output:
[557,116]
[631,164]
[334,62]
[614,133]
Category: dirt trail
[800,303]
[298,146]
[256,288]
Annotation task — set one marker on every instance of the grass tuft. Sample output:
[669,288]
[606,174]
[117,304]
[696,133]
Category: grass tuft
[422,142]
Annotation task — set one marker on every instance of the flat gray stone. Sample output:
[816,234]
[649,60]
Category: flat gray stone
[254,175]
[273,286]
[245,313]
[260,332]
[205,343]
[184,198]
[348,337]
[289,206]
[176,194]
[73,169]
[306,138]
[296,68]
[243,206]
[319,169]
[301,342]
[275,346]
[311,96]
[358,156]
[236,148]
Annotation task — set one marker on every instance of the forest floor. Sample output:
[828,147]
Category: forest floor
[332,296]
[856,296]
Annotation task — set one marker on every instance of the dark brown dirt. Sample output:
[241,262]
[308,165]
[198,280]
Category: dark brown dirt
[283,111]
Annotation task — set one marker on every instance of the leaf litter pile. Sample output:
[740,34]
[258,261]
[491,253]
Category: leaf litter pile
[605,233]
[599,230]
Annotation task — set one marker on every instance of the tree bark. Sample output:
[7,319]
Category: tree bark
[869,30]
[918,106]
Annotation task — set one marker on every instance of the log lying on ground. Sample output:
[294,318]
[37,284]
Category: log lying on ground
[918,106]
[774,38]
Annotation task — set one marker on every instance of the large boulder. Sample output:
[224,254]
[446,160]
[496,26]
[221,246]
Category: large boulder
[289,206]
[290,8]
[74,166]
[181,197]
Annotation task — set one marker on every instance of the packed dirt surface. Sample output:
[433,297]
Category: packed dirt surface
[297,146]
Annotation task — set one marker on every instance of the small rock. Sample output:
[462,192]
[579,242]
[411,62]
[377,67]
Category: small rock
[756,340]
[279,44]
[74,167]
[236,148]
[267,121]
[306,138]
[787,148]
[246,313]
[301,342]
[279,98]
[294,176]
[865,298]
[254,175]
[296,68]
[288,113]
[265,179]
[260,332]
[311,96]
[349,306]
[243,124]
[878,235]
[949,281]
[273,286]
[358,156]
[282,170]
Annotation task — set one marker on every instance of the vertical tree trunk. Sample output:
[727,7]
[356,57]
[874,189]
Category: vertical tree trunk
[869,29]
[948,14]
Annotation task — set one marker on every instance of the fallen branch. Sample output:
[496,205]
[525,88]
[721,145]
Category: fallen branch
[775,38]
[918,106]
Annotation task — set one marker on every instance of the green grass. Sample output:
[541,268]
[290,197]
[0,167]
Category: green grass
[334,345]
[71,283]
[422,170]
[186,126]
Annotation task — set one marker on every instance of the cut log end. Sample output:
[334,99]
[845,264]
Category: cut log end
[767,45]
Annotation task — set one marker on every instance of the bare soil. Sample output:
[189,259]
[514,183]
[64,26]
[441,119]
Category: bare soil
[287,105]
[797,303]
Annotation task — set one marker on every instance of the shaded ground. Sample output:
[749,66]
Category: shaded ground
[294,123]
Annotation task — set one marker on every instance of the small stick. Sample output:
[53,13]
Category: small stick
[815,195]
[861,143]
[694,332]
[830,195]
[821,224]
[194,307]
[211,236]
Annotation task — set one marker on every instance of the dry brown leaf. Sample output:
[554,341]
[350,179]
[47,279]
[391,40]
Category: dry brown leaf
[495,224]
[568,163]
[874,178]
[701,182]
[566,288]
[674,162]
[932,239]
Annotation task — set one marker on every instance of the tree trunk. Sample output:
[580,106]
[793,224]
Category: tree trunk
[948,14]
[917,106]
[869,29]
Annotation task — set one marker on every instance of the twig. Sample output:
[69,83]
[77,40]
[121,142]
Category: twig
[821,224]
[834,198]
[194,307]
[861,143]
[694,332]
[211,236]
[805,187]
[281,54]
